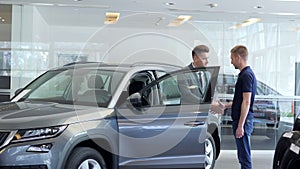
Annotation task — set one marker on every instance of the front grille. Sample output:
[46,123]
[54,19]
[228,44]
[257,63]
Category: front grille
[25,167]
[3,136]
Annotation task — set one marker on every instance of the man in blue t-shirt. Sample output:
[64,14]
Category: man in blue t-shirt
[242,105]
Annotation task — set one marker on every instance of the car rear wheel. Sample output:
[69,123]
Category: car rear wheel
[282,145]
[282,148]
[210,152]
[85,158]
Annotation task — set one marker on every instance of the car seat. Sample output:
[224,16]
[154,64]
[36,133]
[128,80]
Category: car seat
[95,82]
[137,86]
[95,90]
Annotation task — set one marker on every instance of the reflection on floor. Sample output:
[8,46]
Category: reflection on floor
[261,159]
[263,143]
[262,138]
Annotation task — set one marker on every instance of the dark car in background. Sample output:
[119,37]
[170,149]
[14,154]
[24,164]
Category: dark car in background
[266,111]
[287,151]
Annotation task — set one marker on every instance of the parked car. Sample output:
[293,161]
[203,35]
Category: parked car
[265,111]
[95,115]
[287,150]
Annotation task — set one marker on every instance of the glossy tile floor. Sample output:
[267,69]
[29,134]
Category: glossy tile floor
[261,159]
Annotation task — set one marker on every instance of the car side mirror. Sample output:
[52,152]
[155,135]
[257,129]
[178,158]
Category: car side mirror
[135,100]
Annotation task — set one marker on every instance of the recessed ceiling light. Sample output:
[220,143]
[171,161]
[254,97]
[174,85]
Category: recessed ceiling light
[77,0]
[258,7]
[284,14]
[180,20]
[111,17]
[212,5]
[170,3]
[42,4]
[247,22]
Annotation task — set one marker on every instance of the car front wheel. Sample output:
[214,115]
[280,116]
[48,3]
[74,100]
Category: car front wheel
[85,158]
[210,152]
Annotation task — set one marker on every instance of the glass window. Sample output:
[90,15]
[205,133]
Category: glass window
[80,86]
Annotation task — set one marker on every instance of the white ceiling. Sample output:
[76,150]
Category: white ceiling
[225,11]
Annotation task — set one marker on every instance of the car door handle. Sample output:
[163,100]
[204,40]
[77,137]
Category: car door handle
[194,123]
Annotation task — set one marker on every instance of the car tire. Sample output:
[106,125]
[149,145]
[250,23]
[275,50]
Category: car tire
[290,160]
[210,152]
[85,156]
[282,146]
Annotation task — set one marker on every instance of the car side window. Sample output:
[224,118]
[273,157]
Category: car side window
[170,93]
[184,87]
[136,85]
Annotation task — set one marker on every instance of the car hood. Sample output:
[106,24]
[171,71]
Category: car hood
[20,115]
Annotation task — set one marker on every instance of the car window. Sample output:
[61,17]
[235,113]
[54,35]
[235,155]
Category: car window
[169,90]
[184,87]
[137,83]
[80,86]
[53,88]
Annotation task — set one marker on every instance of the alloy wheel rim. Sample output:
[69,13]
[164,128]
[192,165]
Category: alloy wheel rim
[209,154]
[89,164]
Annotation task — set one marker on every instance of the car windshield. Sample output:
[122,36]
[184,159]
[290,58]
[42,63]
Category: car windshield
[74,86]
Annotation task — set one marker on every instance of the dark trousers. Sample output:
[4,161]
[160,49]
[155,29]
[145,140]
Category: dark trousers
[243,144]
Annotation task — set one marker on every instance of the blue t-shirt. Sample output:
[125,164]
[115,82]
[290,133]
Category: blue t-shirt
[246,83]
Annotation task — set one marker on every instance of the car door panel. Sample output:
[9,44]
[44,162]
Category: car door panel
[164,135]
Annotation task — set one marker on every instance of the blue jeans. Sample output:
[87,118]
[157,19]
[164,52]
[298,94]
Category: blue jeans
[243,144]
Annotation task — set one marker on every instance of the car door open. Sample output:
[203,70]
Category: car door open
[174,128]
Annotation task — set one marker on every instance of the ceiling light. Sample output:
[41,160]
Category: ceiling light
[247,22]
[253,20]
[213,5]
[42,4]
[258,7]
[170,3]
[111,18]
[180,20]
[295,29]
[284,14]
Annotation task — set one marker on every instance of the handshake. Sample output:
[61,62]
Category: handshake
[217,107]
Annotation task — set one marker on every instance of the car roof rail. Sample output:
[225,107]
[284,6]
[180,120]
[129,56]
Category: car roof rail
[154,63]
[74,63]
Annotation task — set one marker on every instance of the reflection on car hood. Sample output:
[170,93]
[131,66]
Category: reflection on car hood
[17,115]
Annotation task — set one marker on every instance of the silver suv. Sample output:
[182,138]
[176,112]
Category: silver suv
[100,116]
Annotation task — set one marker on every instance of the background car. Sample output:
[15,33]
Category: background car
[265,111]
[95,115]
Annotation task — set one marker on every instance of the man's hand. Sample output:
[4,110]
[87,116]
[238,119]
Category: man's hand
[239,132]
[217,107]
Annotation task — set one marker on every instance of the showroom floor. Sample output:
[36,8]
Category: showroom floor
[263,143]
[260,159]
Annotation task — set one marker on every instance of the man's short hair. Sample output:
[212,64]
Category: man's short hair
[199,49]
[240,50]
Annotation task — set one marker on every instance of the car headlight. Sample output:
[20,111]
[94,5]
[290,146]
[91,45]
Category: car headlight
[37,133]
